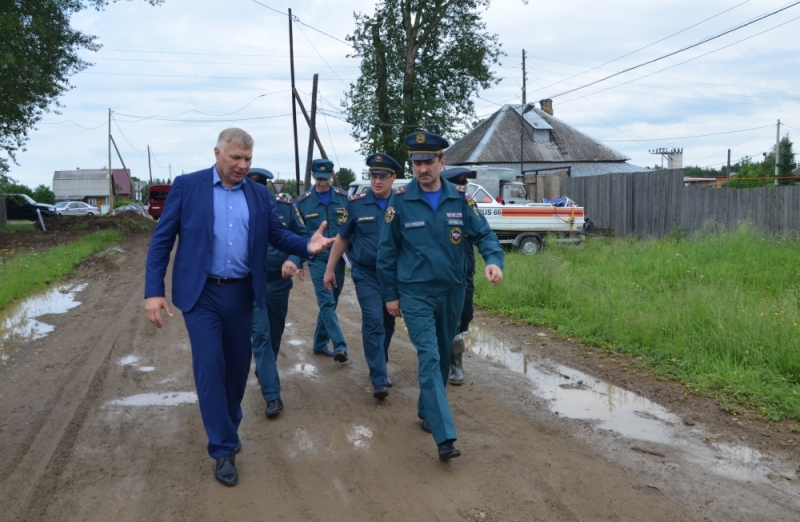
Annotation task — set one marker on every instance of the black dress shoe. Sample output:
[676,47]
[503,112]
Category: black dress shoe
[327,353]
[448,451]
[380,392]
[226,470]
[274,408]
[388,382]
[340,357]
[426,426]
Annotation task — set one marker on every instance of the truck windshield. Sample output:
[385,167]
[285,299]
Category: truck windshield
[28,199]
[158,196]
[516,192]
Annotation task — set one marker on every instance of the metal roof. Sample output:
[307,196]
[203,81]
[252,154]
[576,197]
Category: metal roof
[77,184]
[497,140]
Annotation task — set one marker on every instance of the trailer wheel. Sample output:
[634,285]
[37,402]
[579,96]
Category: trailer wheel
[530,245]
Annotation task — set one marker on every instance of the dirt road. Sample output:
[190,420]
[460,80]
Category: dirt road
[97,422]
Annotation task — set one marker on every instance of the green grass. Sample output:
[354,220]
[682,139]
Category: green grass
[719,313]
[27,273]
[13,227]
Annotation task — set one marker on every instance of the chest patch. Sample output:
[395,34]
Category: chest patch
[390,212]
[414,224]
[366,218]
[342,217]
[315,214]
[452,222]
[455,235]
[455,215]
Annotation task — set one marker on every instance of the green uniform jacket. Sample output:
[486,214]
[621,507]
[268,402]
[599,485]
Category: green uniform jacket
[421,251]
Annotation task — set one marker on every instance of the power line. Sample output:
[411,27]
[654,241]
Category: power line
[213,54]
[74,123]
[261,78]
[686,61]
[648,45]
[123,135]
[296,19]
[683,49]
[323,59]
[200,112]
[203,121]
[207,63]
[691,137]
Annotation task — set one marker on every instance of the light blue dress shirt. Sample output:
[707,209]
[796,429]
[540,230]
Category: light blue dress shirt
[229,251]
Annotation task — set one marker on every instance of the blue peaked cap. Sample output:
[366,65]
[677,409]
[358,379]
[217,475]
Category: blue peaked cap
[260,175]
[456,175]
[383,163]
[322,168]
[425,145]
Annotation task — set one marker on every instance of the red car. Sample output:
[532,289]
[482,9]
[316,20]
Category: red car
[156,197]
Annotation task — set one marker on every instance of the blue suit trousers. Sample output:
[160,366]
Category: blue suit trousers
[268,325]
[377,326]
[432,322]
[328,327]
[219,326]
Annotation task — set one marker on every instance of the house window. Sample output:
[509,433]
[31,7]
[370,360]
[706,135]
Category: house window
[92,201]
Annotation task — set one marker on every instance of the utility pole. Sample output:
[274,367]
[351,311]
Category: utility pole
[110,173]
[312,131]
[294,108]
[149,166]
[524,89]
[170,172]
[728,170]
[777,150]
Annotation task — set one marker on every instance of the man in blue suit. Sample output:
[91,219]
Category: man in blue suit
[225,223]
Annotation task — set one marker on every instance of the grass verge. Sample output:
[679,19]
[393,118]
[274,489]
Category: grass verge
[719,313]
[15,227]
[27,273]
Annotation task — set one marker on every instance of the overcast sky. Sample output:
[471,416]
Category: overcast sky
[175,75]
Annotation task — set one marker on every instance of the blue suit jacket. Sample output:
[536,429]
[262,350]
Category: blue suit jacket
[189,214]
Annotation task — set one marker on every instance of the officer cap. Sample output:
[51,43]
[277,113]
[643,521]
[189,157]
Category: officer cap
[260,175]
[322,168]
[456,175]
[425,145]
[383,164]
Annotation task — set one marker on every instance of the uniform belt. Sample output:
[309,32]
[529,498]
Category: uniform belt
[225,280]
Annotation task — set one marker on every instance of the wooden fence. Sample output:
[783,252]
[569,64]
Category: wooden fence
[654,203]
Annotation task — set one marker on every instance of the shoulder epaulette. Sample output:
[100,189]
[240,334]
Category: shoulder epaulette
[283,198]
[303,196]
[341,192]
[400,190]
[357,196]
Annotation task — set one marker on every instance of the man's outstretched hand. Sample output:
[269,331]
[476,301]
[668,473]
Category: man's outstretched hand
[319,243]
[153,307]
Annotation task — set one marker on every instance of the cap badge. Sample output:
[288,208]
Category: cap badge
[378,159]
[420,138]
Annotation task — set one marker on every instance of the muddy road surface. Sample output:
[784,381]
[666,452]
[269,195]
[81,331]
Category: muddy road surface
[99,421]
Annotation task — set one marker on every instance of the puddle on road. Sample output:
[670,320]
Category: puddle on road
[305,368]
[157,399]
[18,322]
[577,395]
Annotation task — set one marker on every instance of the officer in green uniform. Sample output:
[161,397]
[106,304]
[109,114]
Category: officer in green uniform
[421,268]
[459,176]
[325,203]
[359,237]
[270,321]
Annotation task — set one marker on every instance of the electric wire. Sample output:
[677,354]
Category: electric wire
[72,122]
[123,134]
[648,45]
[685,48]
[296,19]
[201,112]
[323,59]
[685,61]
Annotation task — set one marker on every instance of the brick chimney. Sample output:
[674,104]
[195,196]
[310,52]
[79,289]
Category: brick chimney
[547,106]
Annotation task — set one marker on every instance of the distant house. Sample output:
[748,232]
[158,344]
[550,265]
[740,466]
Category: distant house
[518,134]
[91,185]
